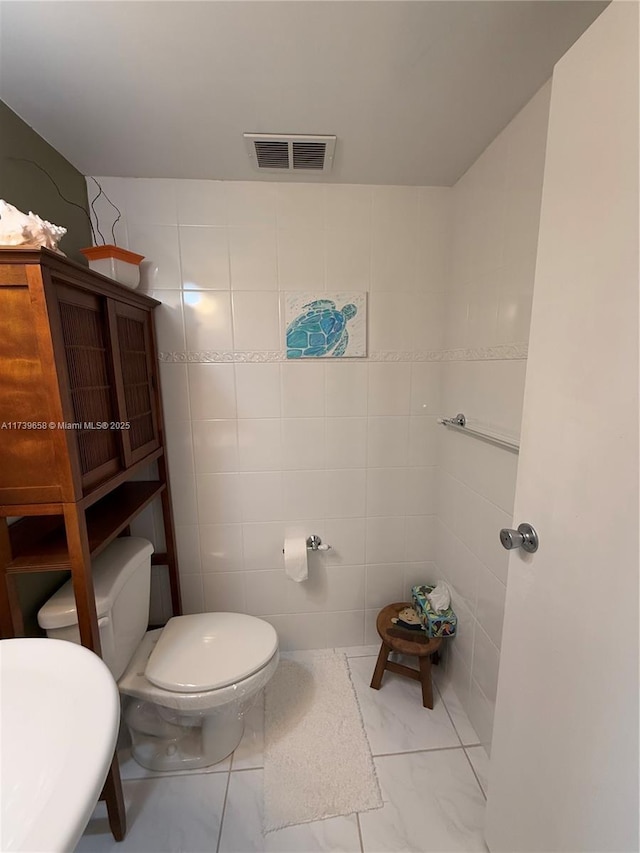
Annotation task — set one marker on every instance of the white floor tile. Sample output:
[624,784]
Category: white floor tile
[461,721]
[360,651]
[394,717]
[173,815]
[249,753]
[130,769]
[433,804]
[242,825]
[480,761]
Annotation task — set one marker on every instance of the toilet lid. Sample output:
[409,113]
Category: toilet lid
[206,651]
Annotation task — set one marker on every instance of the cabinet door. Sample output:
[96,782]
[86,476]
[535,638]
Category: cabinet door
[87,351]
[133,356]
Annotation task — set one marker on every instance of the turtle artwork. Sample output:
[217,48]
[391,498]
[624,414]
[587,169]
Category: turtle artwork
[320,330]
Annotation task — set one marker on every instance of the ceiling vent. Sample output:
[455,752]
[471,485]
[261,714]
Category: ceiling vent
[273,152]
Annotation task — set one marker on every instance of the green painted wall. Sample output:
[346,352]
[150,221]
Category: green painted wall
[26,187]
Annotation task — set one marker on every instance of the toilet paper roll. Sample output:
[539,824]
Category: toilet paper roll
[295,559]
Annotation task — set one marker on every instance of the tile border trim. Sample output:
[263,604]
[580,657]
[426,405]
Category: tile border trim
[502,352]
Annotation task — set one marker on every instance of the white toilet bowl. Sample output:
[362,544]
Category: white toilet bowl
[186,686]
[196,723]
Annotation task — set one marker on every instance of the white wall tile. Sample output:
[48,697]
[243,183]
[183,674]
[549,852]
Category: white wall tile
[347,388]
[387,492]
[389,389]
[300,205]
[348,206]
[188,549]
[160,269]
[181,470]
[215,446]
[303,391]
[212,390]
[417,574]
[345,629]
[390,321]
[262,545]
[426,378]
[151,202]
[192,594]
[256,320]
[490,608]
[253,259]
[207,319]
[421,487]
[424,441]
[169,321]
[346,442]
[346,493]
[251,204]
[428,320]
[303,443]
[305,494]
[224,592]
[301,631]
[347,259]
[346,536]
[384,585]
[221,547]
[202,203]
[480,711]
[300,259]
[204,255]
[387,442]
[266,593]
[175,391]
[218,498]
[421,538]
[260,444]
[258,390]
[261,496]
[386,540]
[486,659]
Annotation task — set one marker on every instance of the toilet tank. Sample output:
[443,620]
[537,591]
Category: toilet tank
[122,583]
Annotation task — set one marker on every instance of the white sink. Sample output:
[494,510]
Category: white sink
[59,716]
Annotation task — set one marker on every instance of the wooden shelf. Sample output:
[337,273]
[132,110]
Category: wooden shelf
[39,544]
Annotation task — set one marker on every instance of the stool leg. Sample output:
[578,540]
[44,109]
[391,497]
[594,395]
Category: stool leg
[425,678]
[381,664]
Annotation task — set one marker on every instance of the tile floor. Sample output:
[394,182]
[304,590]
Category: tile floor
[431,768]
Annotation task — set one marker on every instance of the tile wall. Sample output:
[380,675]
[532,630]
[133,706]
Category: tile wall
[495,217]
[260,448]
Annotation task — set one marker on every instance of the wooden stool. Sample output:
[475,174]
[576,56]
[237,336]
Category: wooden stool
[422,647]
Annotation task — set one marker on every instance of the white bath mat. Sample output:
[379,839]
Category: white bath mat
[317,760]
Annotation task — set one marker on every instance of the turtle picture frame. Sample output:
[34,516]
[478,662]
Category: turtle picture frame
[325,325]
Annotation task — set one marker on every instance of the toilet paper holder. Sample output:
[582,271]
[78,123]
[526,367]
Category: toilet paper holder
[314,543]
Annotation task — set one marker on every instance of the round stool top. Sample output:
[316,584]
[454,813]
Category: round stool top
[405,645]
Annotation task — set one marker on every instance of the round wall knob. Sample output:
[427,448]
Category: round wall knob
[524,537]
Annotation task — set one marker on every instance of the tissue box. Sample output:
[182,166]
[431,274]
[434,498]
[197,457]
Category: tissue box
[436,623]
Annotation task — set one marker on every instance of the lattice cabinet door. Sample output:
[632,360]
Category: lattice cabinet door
[91,383]
[133,356]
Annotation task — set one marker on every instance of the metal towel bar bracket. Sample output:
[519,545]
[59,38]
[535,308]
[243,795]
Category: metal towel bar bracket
[460,423]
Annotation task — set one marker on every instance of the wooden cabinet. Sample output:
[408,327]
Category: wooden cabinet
[80,418]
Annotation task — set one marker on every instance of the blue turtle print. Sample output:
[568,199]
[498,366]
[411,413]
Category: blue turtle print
[319,330]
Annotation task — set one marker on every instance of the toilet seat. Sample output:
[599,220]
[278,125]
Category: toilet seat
[134,683]
[208,651]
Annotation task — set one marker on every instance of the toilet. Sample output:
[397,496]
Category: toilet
[185,687]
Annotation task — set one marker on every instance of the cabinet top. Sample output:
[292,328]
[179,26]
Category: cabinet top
[74,272]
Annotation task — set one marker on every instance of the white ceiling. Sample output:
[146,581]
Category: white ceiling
[414,91]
